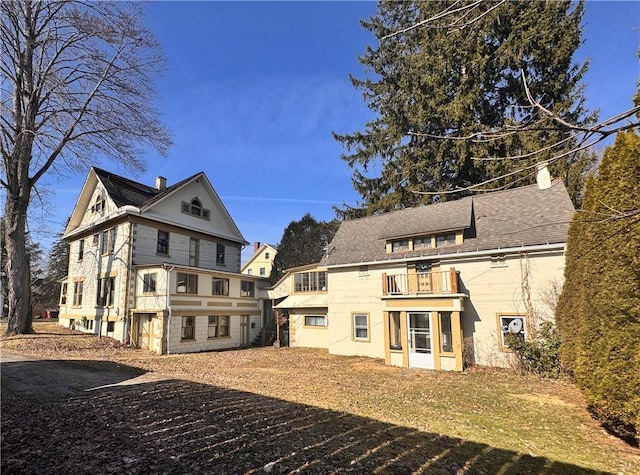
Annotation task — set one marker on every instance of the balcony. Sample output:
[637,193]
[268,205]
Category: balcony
[428,283]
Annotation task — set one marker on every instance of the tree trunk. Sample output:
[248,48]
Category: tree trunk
[17,266]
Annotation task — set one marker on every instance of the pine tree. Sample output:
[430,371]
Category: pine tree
[599,311]
[427,82]
[303,242]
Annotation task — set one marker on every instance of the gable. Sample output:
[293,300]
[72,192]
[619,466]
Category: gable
[179,207]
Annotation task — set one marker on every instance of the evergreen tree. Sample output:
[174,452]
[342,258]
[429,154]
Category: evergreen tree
[58,264]
[599,310]
[303,242]
[427,83]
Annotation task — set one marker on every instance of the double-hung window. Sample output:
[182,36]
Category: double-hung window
[187,283]
[220,286]
[149,283]
[188,328]
[162,245]
[106,290]
[360,326]
[108,241]
[218,326]
[220,254]
[77,293]
[247,288]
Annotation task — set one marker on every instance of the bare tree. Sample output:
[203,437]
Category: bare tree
[76,85]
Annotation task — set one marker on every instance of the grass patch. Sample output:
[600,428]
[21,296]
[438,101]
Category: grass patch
[525,414]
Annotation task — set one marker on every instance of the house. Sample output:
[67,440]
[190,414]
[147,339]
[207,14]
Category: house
[261,261]
[438,286]
[159,267]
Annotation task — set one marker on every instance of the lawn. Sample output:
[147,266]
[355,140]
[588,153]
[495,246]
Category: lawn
[527,419]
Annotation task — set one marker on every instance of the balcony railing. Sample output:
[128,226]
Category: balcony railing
[427,283]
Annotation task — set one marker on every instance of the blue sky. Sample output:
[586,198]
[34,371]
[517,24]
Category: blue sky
[253,91]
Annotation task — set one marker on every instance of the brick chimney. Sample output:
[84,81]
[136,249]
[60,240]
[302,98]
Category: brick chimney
[256,246]
[161,183]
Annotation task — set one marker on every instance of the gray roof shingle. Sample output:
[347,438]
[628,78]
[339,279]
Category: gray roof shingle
[525,216]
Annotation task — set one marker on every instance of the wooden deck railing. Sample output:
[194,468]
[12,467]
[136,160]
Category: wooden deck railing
[445,282]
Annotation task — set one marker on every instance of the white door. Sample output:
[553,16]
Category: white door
[420,340]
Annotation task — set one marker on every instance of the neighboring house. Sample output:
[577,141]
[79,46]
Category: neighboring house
[261,261]
[438,286]
[159,267]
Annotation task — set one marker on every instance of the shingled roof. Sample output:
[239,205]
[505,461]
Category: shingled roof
[516,218]
[128,192]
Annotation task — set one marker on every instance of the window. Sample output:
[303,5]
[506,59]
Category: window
[498,260]
[220,254]
[395,340]
[446,334]
[218,326]
[315,321]
[422,243]
[63,294]
[106,290]
[361,326]
[220,286]
[194,252]
[263,271]
[194,208]
[80,249]
[511,325]
[187,283]
[398,246]
[77,293]
[445,240]
[188,328]
[247,288]
[95,240]
[310,281]
[363,271]
[266,255]
[111,326]
[149,283]
[98,205]
[162,246]
[108,241]
[249,271]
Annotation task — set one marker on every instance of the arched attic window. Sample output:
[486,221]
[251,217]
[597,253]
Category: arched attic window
[194,208]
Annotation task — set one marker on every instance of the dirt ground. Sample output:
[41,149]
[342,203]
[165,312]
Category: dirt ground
[79,404]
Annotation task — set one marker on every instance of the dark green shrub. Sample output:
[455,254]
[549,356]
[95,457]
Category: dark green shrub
[539,356]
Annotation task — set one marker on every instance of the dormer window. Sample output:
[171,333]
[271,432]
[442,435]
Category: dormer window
[422,243]
[398,246]
[194,208]
[448,239]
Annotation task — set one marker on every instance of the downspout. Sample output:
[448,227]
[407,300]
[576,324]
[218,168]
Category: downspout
[126,334]
[168,281]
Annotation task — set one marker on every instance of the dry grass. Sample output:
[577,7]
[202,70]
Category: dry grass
[527,415]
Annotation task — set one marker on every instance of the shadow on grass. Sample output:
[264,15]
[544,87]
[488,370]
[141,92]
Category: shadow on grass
[176,426]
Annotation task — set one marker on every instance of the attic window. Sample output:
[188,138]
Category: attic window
[194,208]
[398,246]
[98,206]
[446,240]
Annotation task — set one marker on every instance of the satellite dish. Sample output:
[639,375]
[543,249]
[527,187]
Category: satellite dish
[515,326]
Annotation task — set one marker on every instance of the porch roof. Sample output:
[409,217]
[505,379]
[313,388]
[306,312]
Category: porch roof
[304,301]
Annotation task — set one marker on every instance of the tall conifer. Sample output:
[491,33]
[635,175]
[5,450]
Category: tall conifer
[428,82]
